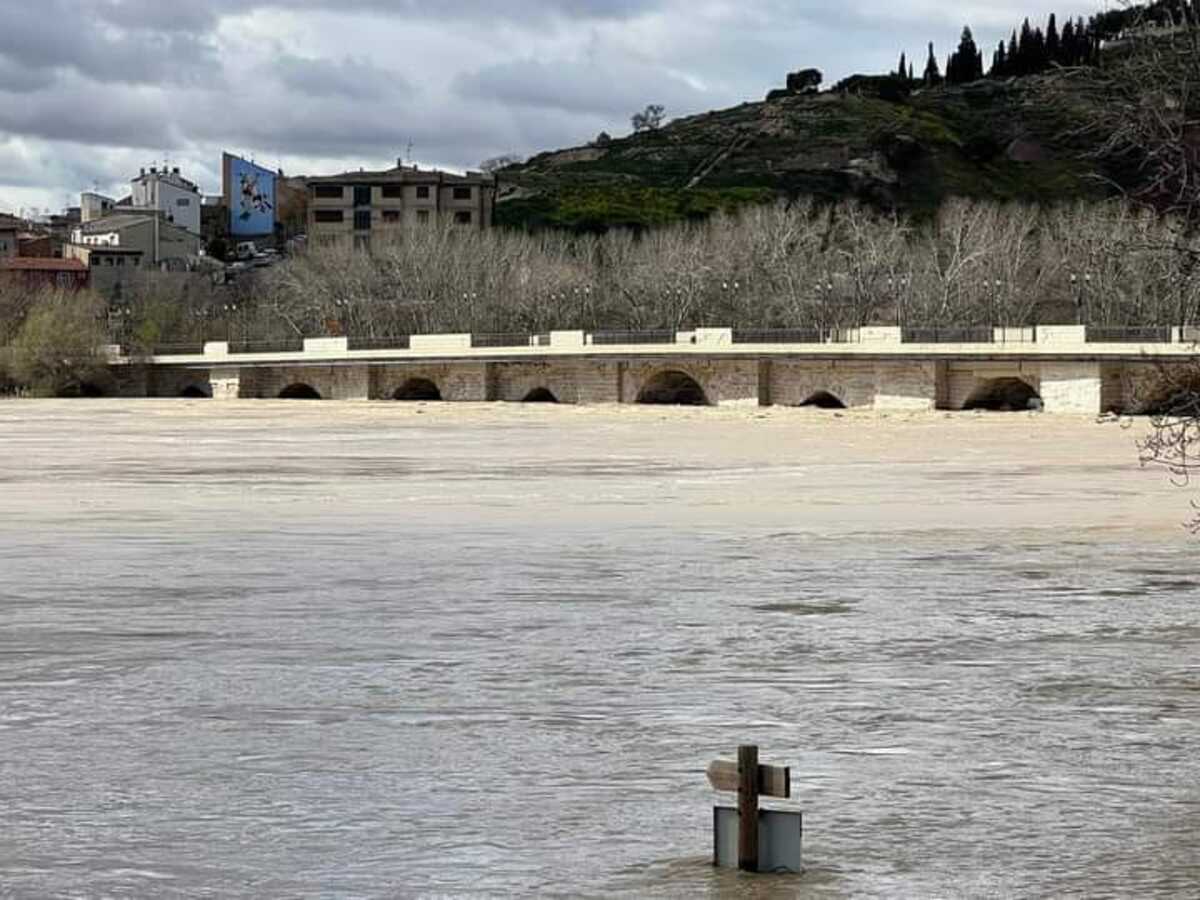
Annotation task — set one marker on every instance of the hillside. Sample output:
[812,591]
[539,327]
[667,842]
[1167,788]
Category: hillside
[999,140]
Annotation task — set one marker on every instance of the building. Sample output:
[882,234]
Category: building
[171,194]
[32,244]
[358,206]
[93,206]
[159,242]
[36,273]
[109,267]
[10,230]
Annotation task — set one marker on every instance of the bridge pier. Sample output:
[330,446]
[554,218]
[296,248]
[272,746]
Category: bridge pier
[226,383]
[1072,387]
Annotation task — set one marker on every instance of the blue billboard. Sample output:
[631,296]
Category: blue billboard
[250,194]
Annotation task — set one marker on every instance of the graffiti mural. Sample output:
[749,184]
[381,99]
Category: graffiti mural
[250,193]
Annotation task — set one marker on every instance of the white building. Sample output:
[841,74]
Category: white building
[171,194]
[94,206]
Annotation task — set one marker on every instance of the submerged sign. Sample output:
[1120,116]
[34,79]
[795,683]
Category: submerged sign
[779,839]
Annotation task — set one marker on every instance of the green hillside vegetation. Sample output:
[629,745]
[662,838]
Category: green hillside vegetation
[986,141]
[895,142]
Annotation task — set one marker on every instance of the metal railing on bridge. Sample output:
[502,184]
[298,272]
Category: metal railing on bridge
[1121,334]
[362,342]
[278,345]
[511,339]
[948,335]
[613,338]
[796,336]
[180,348]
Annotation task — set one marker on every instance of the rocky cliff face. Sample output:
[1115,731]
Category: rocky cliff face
[988,140]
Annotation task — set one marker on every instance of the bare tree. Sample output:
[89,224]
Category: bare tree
[649,119]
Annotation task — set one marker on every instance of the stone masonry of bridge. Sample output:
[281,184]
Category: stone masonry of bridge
[1061,368]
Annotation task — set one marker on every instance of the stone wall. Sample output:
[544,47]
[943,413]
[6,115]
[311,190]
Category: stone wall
[793,383]
[456,382]
[962,380]
[725,382]
[905,385]
[331,382]
[1071,387]
[570,381]
[173,382]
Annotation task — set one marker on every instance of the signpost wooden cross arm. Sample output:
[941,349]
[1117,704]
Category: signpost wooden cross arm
[773,781]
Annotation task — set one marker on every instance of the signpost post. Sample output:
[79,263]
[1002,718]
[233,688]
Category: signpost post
[770,841]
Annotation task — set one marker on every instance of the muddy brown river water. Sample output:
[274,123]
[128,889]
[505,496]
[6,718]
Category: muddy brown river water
[363,650]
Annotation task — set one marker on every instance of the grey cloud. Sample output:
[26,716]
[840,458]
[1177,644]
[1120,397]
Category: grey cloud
[87,113]
[64,37]
[608,88]
[348,78]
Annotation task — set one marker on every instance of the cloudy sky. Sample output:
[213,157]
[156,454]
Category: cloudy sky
[92,90]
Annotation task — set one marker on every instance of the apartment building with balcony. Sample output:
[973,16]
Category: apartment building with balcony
[358,207]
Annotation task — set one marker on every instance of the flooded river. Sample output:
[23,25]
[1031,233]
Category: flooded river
[271,649]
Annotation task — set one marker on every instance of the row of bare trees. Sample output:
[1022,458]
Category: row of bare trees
[794,266]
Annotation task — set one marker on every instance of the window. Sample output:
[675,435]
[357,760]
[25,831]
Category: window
[462,193]
[329,216]
[423,192]
[362,195]
[422,216]
[391,216]
[120,260]
[462,218]
[329,192]
[393,192]
[362,220]
[184,201]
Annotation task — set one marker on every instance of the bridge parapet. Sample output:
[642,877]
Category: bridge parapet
[337,345]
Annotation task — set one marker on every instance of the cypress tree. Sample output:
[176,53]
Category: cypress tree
[1066,50]
[910,72]
[1012,58]
[933,74]
[1000,62]
[902,71]
[965,63]
[1038,56]
[1025,50]
[1053,44]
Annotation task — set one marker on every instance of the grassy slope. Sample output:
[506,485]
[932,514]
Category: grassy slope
[909,156]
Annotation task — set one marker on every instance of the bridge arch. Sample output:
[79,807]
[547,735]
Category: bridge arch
[672,387]
[540,395]
[195,392]
[1004,395]
[299,391]
[418,389]
[824,400]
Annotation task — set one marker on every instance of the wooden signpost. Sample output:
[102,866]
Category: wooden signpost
[751,781]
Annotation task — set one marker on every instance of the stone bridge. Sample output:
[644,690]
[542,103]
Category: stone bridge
[1066,369]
